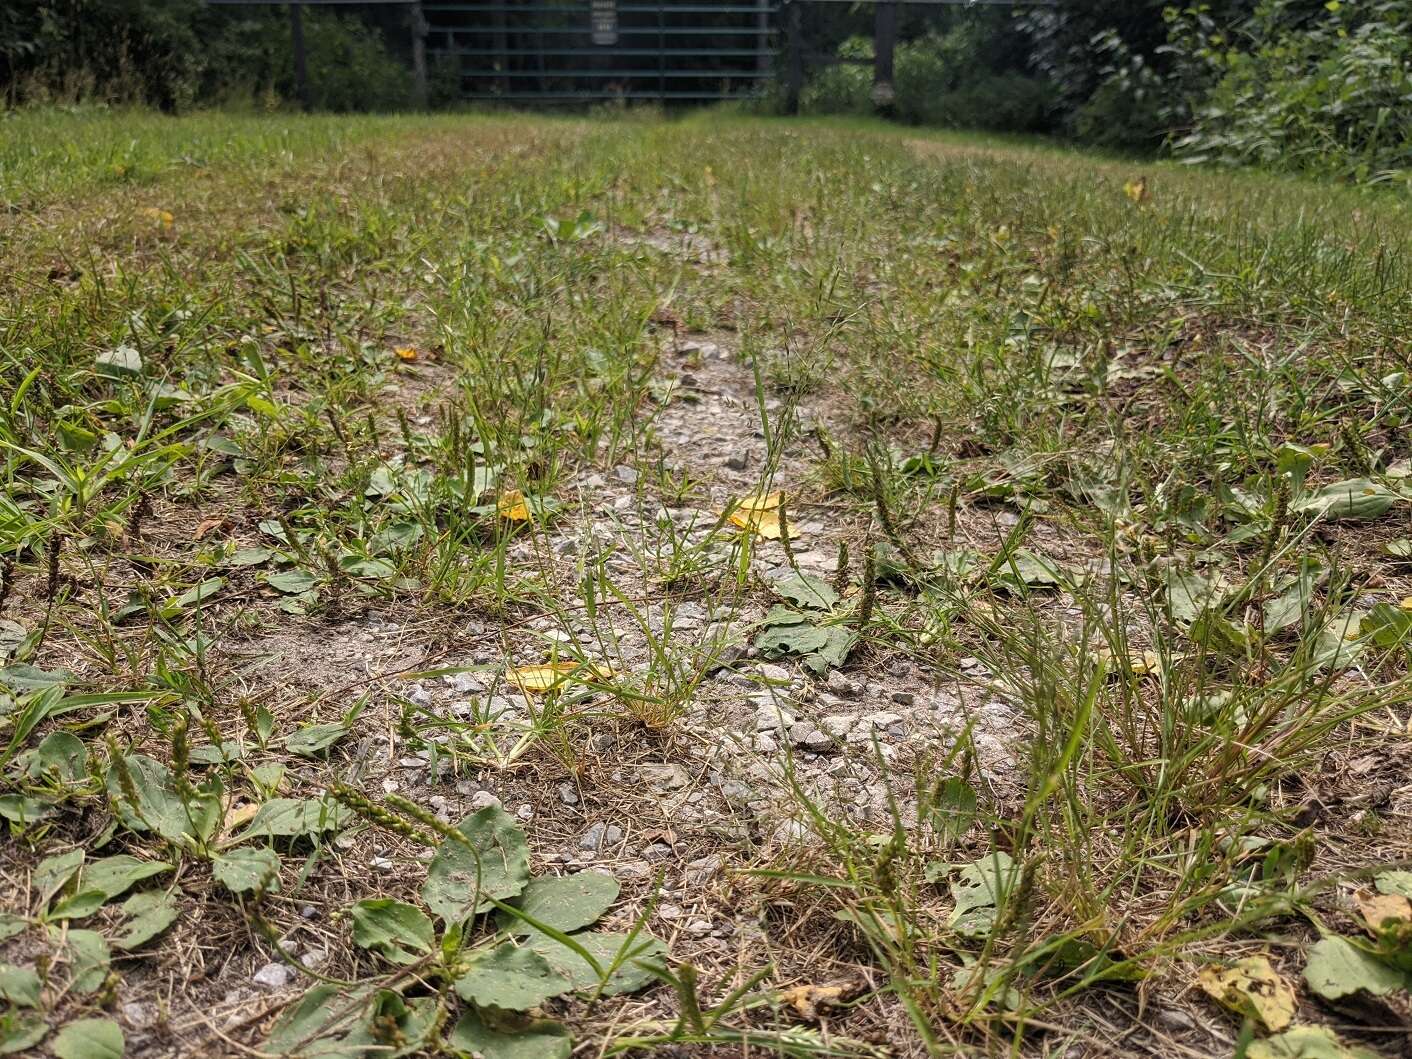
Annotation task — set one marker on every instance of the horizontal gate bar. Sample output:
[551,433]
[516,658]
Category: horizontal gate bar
[700,75]
[622,9]
[626,53]
[623,31]
[570,96]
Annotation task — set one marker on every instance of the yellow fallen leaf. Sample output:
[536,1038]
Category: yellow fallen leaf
[1380,909]
[536,680]
[1141,663]
[1137,190]
[810,1002]
[761,516]
[512,506]
[239,815]
[159,217]
[405,353]
[1253,988]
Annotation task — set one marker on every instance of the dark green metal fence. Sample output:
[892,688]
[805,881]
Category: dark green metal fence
[583,50]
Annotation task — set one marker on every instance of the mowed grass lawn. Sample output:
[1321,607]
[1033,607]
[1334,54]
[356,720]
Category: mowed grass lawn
[504,585]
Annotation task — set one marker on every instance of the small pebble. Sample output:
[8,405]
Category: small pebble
[484,800]
[273,976]
[599,836]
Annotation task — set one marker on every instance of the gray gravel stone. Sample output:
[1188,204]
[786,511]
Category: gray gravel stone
[273,976]
[807,736]
[138,1015]
[599,836]
[840,685]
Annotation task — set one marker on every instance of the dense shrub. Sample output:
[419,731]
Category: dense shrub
[1327,89]
[176,53]
[939,79]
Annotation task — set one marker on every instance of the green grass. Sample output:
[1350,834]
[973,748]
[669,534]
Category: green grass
[1131,469]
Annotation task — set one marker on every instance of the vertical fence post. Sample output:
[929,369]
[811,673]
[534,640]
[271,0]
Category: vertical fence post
[762,39]
[884,39]
[301,59]
[794,44]
[419,54]
[502,46]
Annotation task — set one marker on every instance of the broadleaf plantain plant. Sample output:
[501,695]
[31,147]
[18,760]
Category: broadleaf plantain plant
[537,947]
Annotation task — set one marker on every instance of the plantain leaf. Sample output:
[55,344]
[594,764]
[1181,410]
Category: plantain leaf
[565,903]
[493,862]
[512,978]
[245,870]
[399,931]
[538,1040]
[628,960]
[89,1039]
[145,915]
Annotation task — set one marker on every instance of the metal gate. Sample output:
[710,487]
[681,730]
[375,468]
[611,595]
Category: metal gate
[582,50]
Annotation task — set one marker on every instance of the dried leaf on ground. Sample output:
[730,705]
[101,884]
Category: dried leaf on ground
[812,1002]
[1382,909]
[760,515]
[1253,988]
[512,506]
[537,680]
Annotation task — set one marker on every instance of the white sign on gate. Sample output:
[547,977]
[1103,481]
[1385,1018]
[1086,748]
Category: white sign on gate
[605,21]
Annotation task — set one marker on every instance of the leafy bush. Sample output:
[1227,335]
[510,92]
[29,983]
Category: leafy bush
[178,53]
[1323,90]
[940,79]
[843,88]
